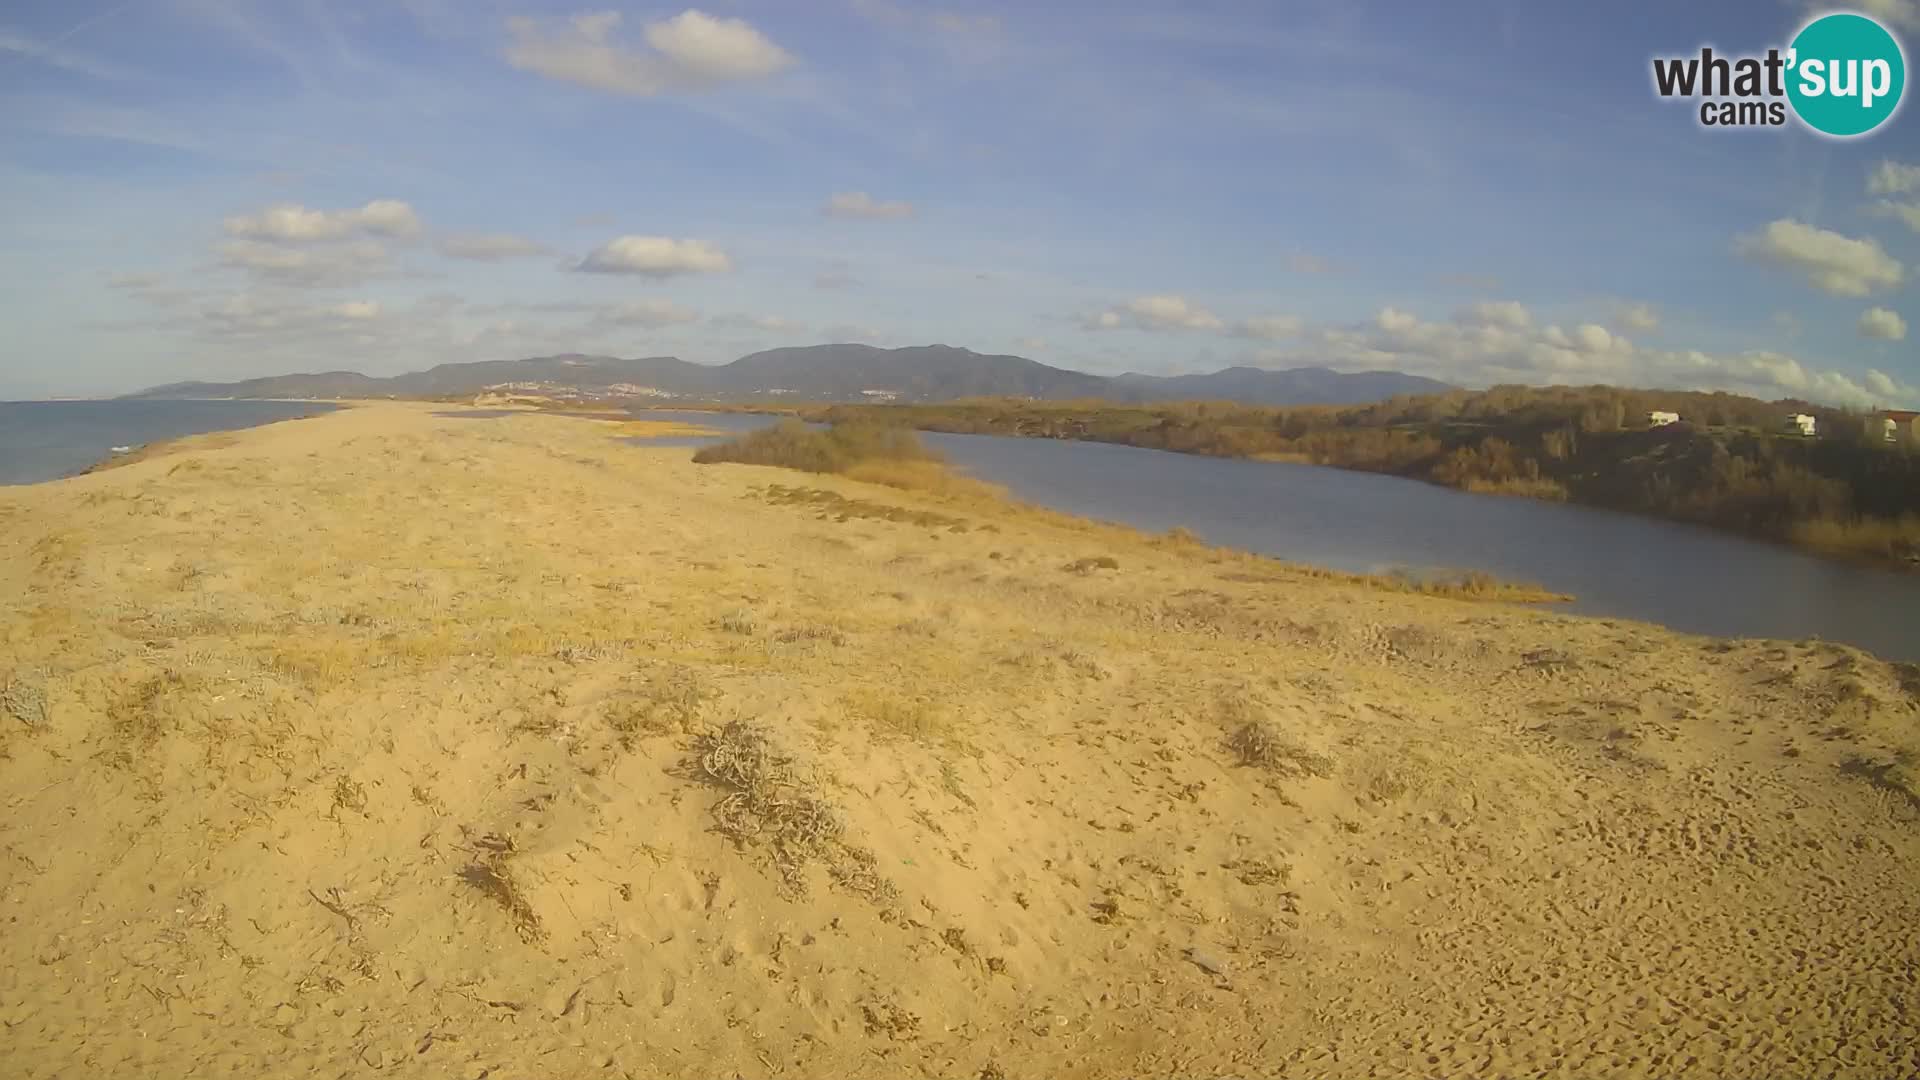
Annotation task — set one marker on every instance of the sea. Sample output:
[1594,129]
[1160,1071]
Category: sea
[48,440]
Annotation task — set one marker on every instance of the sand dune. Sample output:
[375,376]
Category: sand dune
[382,743]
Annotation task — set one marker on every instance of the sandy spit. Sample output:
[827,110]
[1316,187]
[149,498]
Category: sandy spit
[387,744]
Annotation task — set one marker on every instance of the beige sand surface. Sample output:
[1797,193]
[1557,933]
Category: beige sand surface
[383,744]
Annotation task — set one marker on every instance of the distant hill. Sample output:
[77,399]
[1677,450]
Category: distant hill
[825,373]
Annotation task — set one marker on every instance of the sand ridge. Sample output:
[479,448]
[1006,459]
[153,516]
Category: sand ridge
[386,743]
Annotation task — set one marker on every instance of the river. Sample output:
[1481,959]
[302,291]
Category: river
[1683,576]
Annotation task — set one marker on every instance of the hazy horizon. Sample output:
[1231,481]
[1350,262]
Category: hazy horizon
[218,190]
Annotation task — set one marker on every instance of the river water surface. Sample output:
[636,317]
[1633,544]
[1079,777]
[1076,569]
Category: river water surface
[1683,576]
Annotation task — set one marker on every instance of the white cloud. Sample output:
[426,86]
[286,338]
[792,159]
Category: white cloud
[1509,313]
[691,51]
[1480,355]
[1269,327]
[655,256]
[1900,13]
[1832,263]
[1594,339]
[1893,178]
[1906,212]
[1156,313]
[1395,321]
[292,224]
[488,247]
[861,206]
[54,55]
[650,312]
[1879,382]
[325,265]
[1882,324]
[356,309]
[264,320]
[1640,318]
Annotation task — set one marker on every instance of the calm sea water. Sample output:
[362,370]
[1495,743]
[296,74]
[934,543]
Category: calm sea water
[1625,565]
[46,440]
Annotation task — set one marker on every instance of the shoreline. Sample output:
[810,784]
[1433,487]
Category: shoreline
[83,446]
[393,723]
[1432,580]
[1909,563]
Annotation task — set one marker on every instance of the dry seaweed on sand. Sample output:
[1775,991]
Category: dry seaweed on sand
[768,804]
[491,874]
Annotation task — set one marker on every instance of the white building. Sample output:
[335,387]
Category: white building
[1903,425]
[1662,419]
[1801,423]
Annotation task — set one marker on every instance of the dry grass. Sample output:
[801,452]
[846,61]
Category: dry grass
[661,429]
[790,444]
[906,718]
[770,805]
[667,701]
[1895,540]
[1470,585]
[812,634]
[927,477]
[837,507]
[1522,487]
[139,717]
[1091,563]
[1259,744]
[1388,778]
[870,453]
[491,874]
[1898,776]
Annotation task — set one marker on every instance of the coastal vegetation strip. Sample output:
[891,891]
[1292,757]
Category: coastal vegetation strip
[1725,464]
[896,457]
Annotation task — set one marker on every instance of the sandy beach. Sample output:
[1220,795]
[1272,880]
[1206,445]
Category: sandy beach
[383,743]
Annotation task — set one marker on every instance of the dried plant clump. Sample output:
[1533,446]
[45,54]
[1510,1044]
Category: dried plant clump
[491,874]
[769,805]
[140,716]
[25,702]
[667,700]
[889,1019]
[1898,775]
[1091,563]
[1257,743]
[837,507]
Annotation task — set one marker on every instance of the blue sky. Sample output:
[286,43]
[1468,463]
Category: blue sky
[1483,192]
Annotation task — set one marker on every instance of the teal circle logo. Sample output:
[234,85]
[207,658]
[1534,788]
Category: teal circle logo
[1846,74]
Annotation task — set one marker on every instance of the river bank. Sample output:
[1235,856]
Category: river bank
[394,741]
[1842,498]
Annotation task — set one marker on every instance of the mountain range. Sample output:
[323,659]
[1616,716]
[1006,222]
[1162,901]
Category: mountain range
[826,373]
